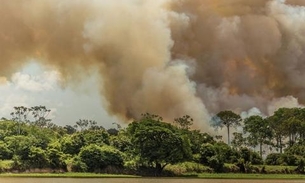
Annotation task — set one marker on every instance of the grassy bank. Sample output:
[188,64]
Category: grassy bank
[66,175]
[196,176]
[249,176]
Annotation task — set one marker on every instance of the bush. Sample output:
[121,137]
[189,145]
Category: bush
[288,159]
[273,159]
[250,156]
[37,158]
[229,154]
[206,152]
[217,163]
[187,167]
[97,158]
[113,156]
[78,166]
[5,152]
[56,159]
[301,166]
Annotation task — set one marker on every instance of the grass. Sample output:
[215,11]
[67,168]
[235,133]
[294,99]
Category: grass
[199,176]
[182,170]
[66,175]
[249,176]
[276,169]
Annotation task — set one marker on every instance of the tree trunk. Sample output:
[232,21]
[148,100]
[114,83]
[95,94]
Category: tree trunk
[261,149]
[228,128]
[158,169]
[281,148]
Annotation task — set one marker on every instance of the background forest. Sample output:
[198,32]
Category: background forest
[150,146]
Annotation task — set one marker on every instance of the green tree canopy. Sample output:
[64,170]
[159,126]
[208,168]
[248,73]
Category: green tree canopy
[259,131]
[226,119]
[158,142]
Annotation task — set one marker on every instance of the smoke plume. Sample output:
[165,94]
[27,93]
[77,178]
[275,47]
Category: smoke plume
[168,57]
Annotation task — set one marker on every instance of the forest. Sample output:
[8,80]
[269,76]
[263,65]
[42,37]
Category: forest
[150,146]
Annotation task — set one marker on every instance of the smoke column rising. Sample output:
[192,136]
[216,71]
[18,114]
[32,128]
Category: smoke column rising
[168,57]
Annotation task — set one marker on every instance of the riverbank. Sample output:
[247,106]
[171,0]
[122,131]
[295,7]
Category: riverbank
[66,175]
[186,176]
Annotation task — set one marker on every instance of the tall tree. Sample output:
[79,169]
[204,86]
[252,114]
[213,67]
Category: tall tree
[259,131]
[238,140]
[278,129]
[82,124]
[287,123]
[20,115]
[185,122]
[226,119]
[40,114]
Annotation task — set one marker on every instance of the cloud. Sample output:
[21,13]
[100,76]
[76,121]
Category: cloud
[44,82]
[34,85]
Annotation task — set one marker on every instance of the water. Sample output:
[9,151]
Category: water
[141,180]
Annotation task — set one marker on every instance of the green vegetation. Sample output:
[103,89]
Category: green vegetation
[149,146]
[250,176]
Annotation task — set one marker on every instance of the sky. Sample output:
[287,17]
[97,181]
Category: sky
[34,85]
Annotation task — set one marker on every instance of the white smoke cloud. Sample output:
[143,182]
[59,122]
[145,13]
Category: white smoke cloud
[287,102]
[39,83]
[165,56]
[252,112]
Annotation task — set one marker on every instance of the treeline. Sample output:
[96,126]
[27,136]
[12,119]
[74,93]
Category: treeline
[282,134]
[148,146]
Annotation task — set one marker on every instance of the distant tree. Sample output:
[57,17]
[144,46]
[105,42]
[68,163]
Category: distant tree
[184,122]
[151,117]
[278,131]
[20,115]
[93,126]
[86,124]
[113,131]
[118,126]
[70,129]
[259,131]
[238,140]
[40,114]
[82,124]
[226,119]
[287,122]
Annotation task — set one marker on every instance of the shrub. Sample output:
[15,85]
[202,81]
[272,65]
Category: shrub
[217,163]
[77,165]
[301,165]
[5,152]
[273,159]
[288,159]
[206,152]
[97,158]
[187,167]
[250,156]
[56,159]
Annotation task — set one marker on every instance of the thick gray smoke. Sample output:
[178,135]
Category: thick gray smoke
[168,57]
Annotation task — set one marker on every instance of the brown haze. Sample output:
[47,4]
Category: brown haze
[168,57]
